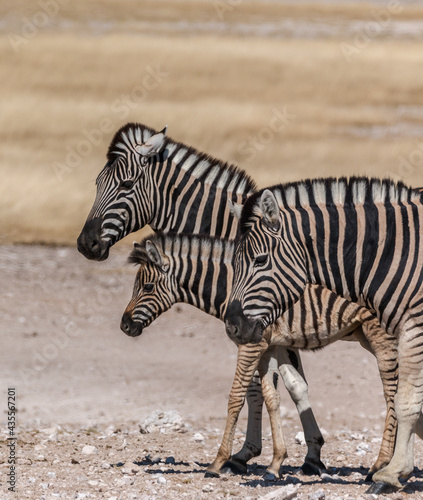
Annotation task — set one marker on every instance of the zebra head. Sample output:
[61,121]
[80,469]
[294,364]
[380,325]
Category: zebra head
[154,289]
[269,271]
[122,203]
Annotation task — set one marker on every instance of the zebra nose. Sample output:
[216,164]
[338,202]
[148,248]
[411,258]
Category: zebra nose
[129,326]
[231,330]
[89,242]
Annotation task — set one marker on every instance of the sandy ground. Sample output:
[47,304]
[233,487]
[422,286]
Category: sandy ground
[80,381]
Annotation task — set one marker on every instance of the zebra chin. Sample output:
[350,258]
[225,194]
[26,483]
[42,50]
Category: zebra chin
[130,327]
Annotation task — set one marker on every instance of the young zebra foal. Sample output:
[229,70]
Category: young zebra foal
[199,271]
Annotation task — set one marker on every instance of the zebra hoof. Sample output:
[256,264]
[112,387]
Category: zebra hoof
[234,467]
[209,473]
[380,488]
[310,469]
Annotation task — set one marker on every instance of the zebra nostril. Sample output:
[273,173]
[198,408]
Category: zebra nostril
[94,245]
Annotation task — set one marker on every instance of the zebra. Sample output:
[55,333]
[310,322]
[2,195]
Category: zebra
[198,270]
[151,179]
[360,238]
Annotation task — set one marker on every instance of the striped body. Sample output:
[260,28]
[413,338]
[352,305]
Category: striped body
[359,238]
[199,271]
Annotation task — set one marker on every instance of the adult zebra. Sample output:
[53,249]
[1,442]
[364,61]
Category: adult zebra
[198,270]
[361,239]
[151,179]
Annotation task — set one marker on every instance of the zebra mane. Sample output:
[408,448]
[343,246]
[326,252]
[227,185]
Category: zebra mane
[201,247]
[201,165]
[330,191]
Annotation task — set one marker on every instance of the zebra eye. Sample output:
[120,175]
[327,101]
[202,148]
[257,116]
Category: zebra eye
[127,184]
[148,287]
[260,260]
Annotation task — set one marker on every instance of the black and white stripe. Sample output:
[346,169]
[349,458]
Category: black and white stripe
[358,237]
[198,270]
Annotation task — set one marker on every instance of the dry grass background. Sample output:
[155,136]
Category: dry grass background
[351,117]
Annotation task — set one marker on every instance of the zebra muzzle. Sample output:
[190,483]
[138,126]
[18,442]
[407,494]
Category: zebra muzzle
[240,328]
[129,326]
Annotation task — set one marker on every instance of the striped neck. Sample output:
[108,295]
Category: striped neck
[203,270]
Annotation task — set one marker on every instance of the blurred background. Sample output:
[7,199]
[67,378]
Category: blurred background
[284,90]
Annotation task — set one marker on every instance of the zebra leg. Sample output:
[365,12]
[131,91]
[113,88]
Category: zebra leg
[408,404]
[384,347]
[252,444]
[268,374]
[247,362]
[291,370]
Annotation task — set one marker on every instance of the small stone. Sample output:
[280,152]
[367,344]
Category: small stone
[198,437]
[105,465]
[162,421]
[51,474]
[208,488]
[360,453]
[340,458]
[317,495]
[325,477]
[287,492]
[89,450]
[364,447]
[93,482]
[299,438]
[161,480]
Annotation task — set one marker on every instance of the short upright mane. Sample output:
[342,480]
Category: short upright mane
[331,191]
[203,246]
[201,165]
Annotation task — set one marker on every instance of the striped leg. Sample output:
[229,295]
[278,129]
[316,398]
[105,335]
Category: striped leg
[252,444]
[408,404]
[267,370]
[291,370]
[247,362]
[384,347]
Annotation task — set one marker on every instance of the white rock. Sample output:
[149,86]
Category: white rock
[105,465]
[161,480]
[162,421]
[93,482]
[363,446]
[208,488]
[198,437]
[89,450]
[299,438]
[284,493]
[317,495]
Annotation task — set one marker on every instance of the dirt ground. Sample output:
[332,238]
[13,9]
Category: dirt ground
[79,382]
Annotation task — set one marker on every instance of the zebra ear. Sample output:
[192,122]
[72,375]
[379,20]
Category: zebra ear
[235,209]
[270,208]
[153,145]
[156,256]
